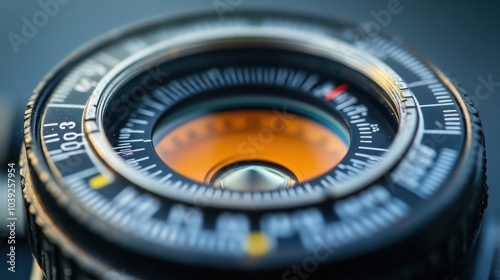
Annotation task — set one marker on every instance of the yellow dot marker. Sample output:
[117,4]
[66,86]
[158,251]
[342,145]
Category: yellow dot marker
[257,244]
[99,181]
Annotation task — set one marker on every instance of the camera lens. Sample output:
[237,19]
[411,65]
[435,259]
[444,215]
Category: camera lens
[268,145]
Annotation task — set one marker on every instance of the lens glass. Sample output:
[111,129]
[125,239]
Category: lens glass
[240,144]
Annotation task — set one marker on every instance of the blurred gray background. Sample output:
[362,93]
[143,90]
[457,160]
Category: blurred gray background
[460,37]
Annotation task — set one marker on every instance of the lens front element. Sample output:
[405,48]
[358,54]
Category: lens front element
[256,146]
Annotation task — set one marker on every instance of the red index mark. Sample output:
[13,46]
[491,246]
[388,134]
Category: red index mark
[336,91]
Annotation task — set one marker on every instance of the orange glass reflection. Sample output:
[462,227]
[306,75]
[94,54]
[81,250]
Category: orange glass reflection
[199,148]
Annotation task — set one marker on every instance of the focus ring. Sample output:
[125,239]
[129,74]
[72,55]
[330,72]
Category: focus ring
[46,245]
[58,265]
[447,258]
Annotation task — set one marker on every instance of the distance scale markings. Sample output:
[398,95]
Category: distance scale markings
[423,169]
[447,121]
[69,99]
[418,173]
[181,226]
[440,98]
[63,139]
